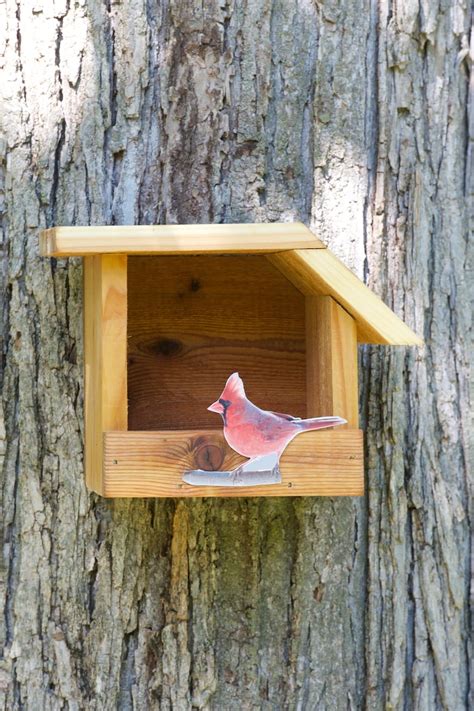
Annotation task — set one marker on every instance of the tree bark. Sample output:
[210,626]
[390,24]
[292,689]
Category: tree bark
[353,117]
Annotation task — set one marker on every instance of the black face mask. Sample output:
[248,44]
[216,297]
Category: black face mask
[225,404]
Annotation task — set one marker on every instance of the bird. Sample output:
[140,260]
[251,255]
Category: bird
[260,435]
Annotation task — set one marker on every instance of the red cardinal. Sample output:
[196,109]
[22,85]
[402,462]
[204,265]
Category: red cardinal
[259,434]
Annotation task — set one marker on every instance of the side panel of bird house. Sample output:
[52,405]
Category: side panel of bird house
[105,356]
[331,343]
[194,320]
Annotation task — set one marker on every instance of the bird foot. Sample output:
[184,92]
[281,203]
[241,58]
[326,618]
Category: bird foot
[236,475]
[276,472]
[250,473]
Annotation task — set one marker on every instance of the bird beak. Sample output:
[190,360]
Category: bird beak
[216,407]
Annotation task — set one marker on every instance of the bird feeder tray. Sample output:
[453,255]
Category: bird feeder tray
[170,311]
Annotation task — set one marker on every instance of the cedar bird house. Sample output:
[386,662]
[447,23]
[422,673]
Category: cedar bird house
[170,311]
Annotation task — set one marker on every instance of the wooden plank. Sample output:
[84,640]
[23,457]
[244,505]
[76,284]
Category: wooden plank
[194,321]
[331,364]
[319,271]
[105,356]
[142,464]
[176,239]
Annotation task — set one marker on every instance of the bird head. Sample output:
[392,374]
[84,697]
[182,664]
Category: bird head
[233,392]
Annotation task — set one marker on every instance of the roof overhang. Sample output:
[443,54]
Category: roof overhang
[290,246]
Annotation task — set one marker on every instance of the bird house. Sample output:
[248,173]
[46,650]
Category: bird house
[170,311]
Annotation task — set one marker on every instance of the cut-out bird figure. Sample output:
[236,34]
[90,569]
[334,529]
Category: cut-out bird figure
[258,434]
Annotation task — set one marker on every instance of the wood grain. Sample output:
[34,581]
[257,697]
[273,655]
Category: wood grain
[195,320]
[141,464]
[320,272]
[176,239]
[105,356]
[331,363]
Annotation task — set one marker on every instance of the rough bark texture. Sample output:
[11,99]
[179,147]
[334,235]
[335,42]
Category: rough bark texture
[354,118]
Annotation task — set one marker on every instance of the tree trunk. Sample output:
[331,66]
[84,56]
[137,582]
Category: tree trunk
[352,117]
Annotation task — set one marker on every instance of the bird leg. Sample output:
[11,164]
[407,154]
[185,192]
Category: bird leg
[268,463]
[258,471]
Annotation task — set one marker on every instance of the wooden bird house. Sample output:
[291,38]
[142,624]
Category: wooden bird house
[170,311]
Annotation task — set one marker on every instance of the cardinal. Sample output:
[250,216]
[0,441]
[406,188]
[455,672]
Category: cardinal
[260,435]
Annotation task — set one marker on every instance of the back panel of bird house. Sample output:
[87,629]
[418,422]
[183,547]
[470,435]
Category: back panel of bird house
[193,320]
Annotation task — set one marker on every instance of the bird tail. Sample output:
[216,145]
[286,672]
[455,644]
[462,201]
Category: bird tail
[318,423]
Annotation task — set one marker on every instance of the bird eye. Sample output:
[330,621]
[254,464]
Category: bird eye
[225,403]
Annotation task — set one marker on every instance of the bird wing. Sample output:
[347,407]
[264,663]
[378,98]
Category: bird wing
[282,416]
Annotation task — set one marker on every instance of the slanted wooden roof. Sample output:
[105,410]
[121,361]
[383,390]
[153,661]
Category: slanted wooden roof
[177,239]
[291,247]
[321,272]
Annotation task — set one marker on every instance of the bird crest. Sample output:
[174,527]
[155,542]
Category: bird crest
[234,388]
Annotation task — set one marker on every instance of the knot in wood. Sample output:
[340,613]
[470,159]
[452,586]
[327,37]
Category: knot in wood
[209,457]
